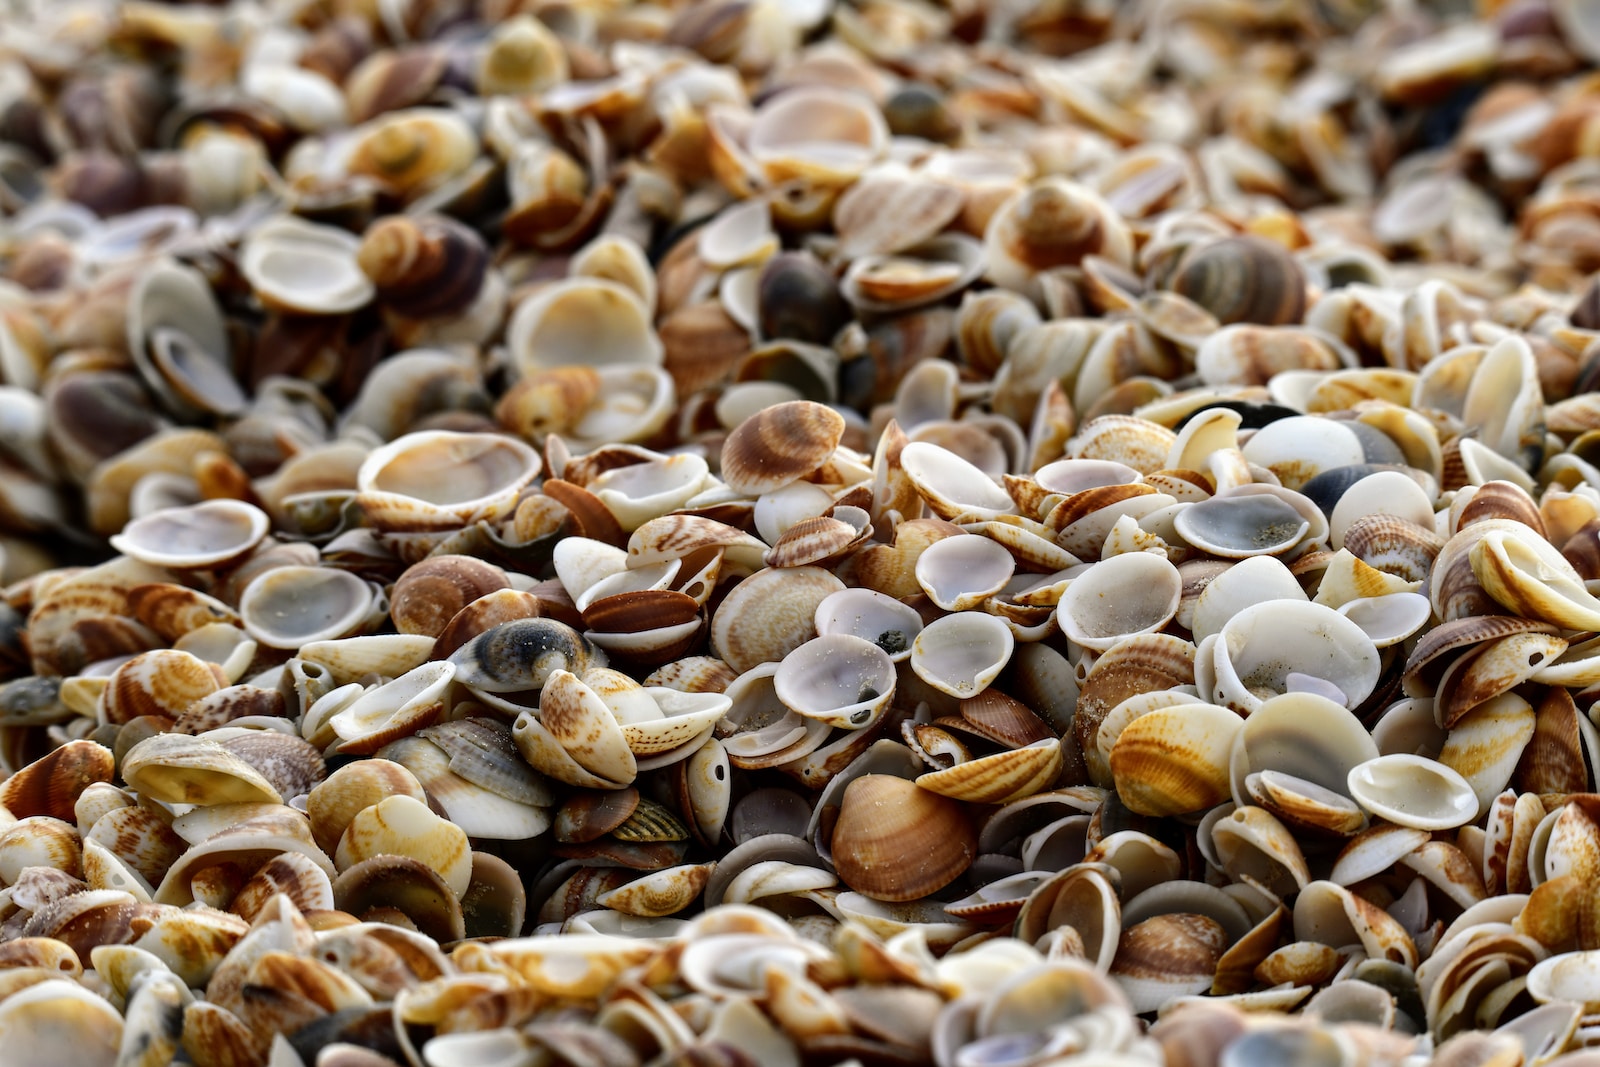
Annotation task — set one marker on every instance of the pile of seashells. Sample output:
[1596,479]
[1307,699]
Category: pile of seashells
[792,532]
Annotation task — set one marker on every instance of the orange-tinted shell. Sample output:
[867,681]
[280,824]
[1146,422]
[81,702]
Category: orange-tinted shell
[895,842]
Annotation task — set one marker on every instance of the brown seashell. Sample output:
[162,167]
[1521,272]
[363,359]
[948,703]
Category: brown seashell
[1143,663]
[1167,956]
[164,682]
[1441,646]
[641,610]
[1393,545]
[548,401]
[52,784]
[305,883]
[815,540]
[591,814]
[1492,668]
[703,346]
[404,884]
[1553,761]
[350,789]
[1003,719]
[484,613]
[1501,500]
[141,839]
[222,707]
[430,593]
[424,266]
[291,764]
[894,841]
[693,674]
[779,445]
[1244,279]
[174,610]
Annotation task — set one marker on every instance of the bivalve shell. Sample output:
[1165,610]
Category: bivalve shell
[894,841]
[1413,791]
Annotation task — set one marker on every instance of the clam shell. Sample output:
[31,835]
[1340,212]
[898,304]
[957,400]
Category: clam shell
[1413,791]
[201,535]
[179,769]
[778,445]
[769,614]
[894,841]
[999,778]
[841,680]
[403,826]
[959,573]
[873,616]
[962,653]
[395,709]
[303,268]
[439,479]
[288,607]
[1100,607]
[1175,760]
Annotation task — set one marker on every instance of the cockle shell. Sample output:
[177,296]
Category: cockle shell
[894,841]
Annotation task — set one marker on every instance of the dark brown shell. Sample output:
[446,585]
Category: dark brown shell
[641,610]
[702,346]
[591,814]
[1244,279]
[780,444]
[424,267]
[225,705]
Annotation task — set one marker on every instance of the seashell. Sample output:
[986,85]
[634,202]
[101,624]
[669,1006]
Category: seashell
[390,883]
[959,573]
[520,656]
[1175,760]
[1251,842]
[298,267]
[999,778]
[403,826]
[305,883]
[1094,613]
[430,593]
[919,275]
[950,485]
[778,445]
[1051,223]
[574,717]
[39,841]
[818,539]
[1248,664]
[962,653]
[889,211]
[841,680]
[351,789]
[1167,956]
[1413,791]
[1242,522]
[431,267]
[52,784]
[589,321]
[1533,581]
[818,135]
[1244,279]
[758,624]
[164,682]
[394,709]
[659,893]
[435,480]
[61,1021]
[178,342]
[894,841]
[291,606]
[178,769]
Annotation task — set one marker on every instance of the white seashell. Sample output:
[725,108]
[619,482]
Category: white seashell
[951,485]
[300,267]
[873,616]
[1260,647]
[1389,619]
[1133,593]
[1383,493]
[292,606]
[593,322]
[961,572]
[1250,581]
[962,653]
[1413,791]
[842,680]
[199,535]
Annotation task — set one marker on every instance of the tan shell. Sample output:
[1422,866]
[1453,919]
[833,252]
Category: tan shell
[403,826]
[999,778]
[769,614]
[438,480]
[780,444]
[179,769]
[894,841]
[430,593]
[1175,760]
[163,682]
